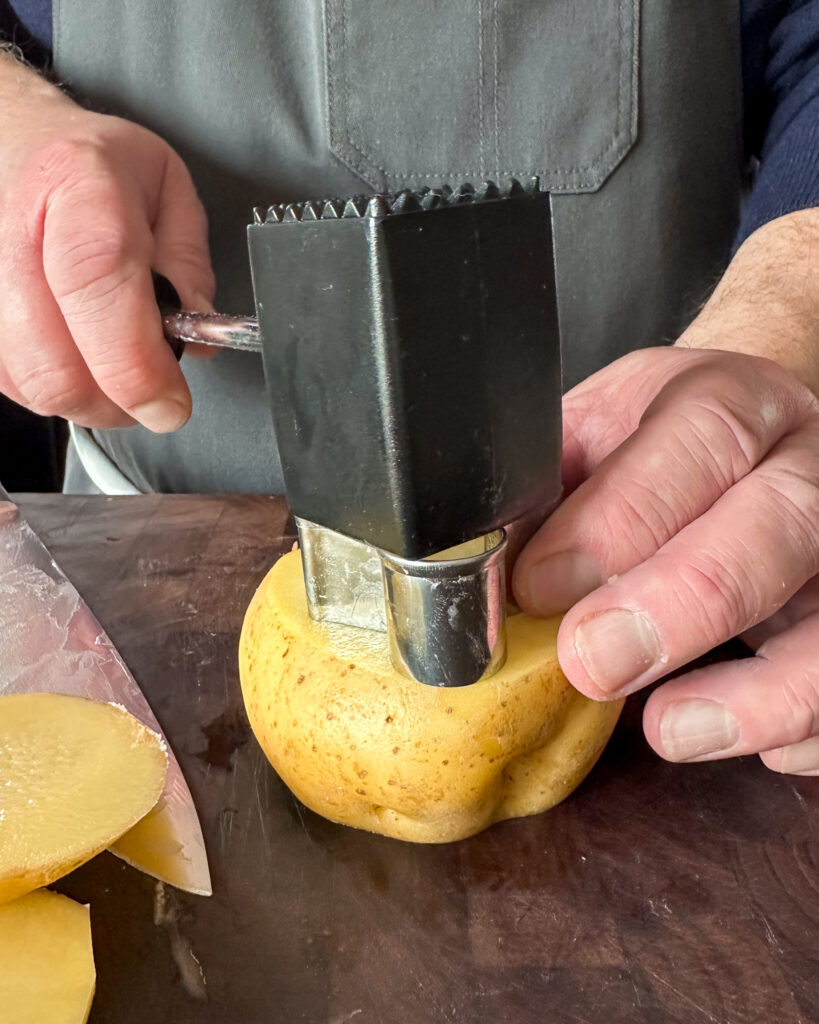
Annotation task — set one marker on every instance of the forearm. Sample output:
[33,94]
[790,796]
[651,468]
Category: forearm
[21,85]
[767,302]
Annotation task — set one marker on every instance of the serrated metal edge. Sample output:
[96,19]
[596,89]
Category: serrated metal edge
[355,207]
[385,204]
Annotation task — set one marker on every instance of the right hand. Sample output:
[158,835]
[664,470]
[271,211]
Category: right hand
[89,205]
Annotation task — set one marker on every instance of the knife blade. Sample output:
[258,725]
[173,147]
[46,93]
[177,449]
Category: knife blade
[51,642]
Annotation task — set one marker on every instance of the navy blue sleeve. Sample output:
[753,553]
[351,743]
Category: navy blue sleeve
[35,17]
[781,89]
[27,23]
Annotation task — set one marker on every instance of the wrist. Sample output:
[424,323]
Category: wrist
[767,302]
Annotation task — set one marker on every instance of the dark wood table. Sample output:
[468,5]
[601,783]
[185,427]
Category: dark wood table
[655,894]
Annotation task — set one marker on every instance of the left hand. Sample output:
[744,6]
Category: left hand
[693,517]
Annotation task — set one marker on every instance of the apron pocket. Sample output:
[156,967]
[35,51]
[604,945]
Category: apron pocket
[445,91]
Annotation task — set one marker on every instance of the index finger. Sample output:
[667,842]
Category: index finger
[98,266]
[705,431]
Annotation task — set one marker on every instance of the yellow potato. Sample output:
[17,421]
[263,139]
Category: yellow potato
[74,776]
[47,971]
[361,744]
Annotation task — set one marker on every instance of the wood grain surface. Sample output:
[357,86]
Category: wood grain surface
[656,894]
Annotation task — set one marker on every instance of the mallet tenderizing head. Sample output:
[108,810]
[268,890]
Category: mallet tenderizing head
[411,354]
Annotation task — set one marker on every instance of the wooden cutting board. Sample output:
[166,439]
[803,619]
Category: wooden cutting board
[657,893]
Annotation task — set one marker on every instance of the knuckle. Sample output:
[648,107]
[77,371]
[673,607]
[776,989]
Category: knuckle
[180,184]
[718,592]
[800,695]
[75,161]
[637,521]
[129,382]
[736,407]
[87,300]
[54,391]
[190,261]
[735,431]
[790,497]
[90,263]
[95,234]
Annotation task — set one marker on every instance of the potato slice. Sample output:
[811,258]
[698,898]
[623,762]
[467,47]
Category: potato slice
[75,775]
[47,974]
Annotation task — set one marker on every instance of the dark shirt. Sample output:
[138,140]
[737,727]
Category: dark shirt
[780,65]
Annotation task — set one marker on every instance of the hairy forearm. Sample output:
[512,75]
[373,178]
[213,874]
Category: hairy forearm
[21,86]
[767,303]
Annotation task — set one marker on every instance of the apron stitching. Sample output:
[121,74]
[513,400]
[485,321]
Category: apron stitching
[495,88]
[368,162]
[327,73]
[621,68]
[55,25]
[634,92]
[346,76]
[481,133]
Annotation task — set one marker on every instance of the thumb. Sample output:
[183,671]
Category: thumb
[599,414]
[603,410]
[663,467]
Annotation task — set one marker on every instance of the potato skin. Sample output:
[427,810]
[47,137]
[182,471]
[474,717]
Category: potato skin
[362,745]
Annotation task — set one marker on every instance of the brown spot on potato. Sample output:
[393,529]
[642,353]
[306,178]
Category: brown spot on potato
[283,627]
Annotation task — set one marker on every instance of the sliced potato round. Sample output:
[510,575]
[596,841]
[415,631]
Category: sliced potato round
[75,775]
[47,974]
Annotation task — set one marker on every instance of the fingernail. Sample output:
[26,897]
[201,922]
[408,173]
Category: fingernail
[616,647]
[801,758]
[693,728]
[163,415]
[561,580]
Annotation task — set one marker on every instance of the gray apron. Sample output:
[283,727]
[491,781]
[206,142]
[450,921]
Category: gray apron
[629,112]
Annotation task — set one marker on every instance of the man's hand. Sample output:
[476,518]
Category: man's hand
[89,206]
[692,516]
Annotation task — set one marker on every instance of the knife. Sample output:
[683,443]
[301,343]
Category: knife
[51,642]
